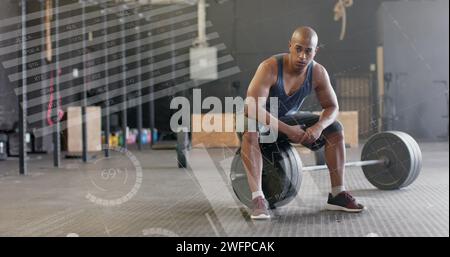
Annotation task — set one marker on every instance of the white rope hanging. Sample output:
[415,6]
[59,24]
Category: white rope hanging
[339,13]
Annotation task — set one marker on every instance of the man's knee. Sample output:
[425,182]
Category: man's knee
[335,132]
[335,137]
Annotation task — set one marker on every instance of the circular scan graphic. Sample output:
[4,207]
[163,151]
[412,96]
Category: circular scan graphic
[115,179]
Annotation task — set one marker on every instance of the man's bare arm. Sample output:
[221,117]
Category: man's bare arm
[257,95]
[326,96]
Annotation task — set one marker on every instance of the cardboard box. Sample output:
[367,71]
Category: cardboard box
[74,129]
[214,139]
[349,120]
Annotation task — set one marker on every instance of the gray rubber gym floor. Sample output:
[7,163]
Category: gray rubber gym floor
[145,194]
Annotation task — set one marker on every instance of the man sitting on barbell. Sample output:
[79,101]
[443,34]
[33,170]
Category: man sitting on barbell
[291,77]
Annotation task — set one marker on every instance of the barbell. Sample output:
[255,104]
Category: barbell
[390,160]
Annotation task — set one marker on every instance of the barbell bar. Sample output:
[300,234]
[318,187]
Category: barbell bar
[348,164]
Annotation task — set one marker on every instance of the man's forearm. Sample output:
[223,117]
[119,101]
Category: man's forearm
[276,124]
[266,118]
[327,117]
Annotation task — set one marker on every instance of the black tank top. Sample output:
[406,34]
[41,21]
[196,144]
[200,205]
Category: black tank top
[289,104]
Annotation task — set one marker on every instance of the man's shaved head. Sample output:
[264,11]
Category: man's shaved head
[305,33]
[302,48]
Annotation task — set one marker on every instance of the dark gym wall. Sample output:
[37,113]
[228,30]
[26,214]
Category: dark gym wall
[256,29]
[415,39]
[253,30]
[8,99]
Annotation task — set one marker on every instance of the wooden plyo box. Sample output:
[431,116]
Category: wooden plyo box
[74,129]
[213,139]
[349,120]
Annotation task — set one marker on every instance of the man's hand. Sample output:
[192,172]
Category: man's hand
[312,134]
[296,134]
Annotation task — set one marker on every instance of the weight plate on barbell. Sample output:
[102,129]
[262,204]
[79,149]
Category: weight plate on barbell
[399,156]
[296,182]
[295,178]
[277,167]
[277,175]
[419,166]
[417,157]
[414,158]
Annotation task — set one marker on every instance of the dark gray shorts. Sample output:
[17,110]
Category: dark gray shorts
[306,119]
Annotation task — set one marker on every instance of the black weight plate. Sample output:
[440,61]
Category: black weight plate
[275,180]
[239,182]
[296,177]
[406,139]
[417,157]
[276,171]
[396,150]
[294,174]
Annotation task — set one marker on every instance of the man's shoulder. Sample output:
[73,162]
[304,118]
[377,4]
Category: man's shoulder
[318,66]
[319,75]
[271,61]
[269,64]
[267,70]
[318,70]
